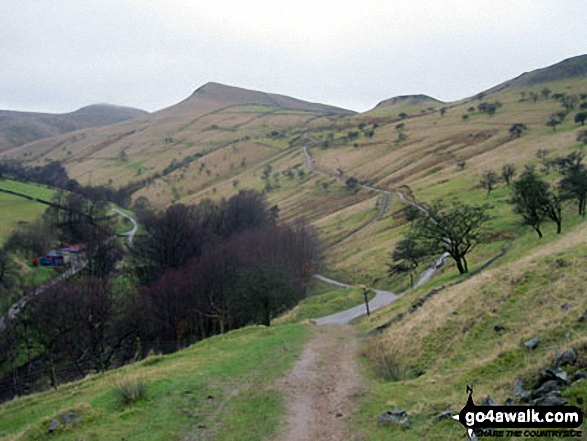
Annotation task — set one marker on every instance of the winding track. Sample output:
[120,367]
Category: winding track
[78,263]
[130,235]
[382,298]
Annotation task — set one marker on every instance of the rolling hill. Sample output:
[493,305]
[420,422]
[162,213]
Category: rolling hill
[451,332]
[222,139]
[18,128]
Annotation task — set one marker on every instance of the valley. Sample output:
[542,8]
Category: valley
[363,182]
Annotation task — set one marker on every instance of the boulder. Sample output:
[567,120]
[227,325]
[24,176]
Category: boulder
[446,415]
[67,419]
[509,401]
[520,392]
[70,418]
[546,388]
[579,375]
[532,344]
[583,318]
[396,416]
[54,425]
[550,401]
[487,401]
[566,358]
[554,373]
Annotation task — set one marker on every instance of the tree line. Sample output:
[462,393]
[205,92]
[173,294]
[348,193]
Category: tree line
[457,228]
[197,271]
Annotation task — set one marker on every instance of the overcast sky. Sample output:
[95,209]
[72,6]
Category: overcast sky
[59,55]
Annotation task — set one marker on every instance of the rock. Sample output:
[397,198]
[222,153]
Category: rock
[520,392]
[555,373]
[487,401]
[567,335]
[567,357]
[54,425]
[566,306]
[509,402]
[499,328]
[579,375]
[532,344]
[583,318]
[546,388]
[397,416]
[550,401]
[70,418]
[446,415]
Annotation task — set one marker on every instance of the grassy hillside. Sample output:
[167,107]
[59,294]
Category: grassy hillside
[223,139]
[18,128]
[450,338]
[219,389]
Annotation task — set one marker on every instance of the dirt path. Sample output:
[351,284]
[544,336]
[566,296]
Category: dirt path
[323,388]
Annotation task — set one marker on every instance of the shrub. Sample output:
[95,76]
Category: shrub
[384,362]
[128,390]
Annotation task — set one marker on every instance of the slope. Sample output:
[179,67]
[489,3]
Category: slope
[18,128]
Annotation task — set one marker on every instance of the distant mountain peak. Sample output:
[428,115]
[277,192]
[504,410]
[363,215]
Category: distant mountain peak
[227,95]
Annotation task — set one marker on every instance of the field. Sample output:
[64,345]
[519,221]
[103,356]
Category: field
[16,211]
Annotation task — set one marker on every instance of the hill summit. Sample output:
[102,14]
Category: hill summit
[407,100]
[230,96]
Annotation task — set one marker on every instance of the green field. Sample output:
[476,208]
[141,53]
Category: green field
[38,191]
[15,211]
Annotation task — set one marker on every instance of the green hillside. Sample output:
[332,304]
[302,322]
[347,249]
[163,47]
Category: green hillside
[417,354]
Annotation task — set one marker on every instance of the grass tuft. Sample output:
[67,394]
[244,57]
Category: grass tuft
[128,390]
[384,362]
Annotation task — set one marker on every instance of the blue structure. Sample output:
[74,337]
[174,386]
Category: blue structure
[53,258]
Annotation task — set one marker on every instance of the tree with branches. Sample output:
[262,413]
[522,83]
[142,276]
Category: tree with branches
[489,180]
[455,229]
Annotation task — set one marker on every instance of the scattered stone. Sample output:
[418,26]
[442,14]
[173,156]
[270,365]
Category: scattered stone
[54,425]
[499,328]
[546,388]
[567,357]
[583,318]
[567,335]
[520,392]
[397,416]
[550,401]
[210,397]
[70,418]
[566,306]
[446,415]
[338,415]
[555,373]
[532,344]
[67,419]
[509,401]
[579,375]
[487,401]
